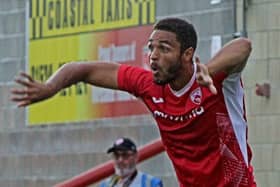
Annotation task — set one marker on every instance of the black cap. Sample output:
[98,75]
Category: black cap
[123,144]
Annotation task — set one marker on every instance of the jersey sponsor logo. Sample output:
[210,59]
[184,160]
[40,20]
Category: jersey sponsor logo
[196,96]
[157,100]
[180,118]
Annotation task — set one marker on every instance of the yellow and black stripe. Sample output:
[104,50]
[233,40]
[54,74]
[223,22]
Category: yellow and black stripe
[54,18]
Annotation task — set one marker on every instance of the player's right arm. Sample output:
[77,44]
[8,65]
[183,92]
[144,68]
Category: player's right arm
[98,74]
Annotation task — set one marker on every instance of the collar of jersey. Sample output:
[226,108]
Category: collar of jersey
[186,88]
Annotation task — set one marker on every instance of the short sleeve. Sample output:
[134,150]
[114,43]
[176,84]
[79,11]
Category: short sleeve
[134,80]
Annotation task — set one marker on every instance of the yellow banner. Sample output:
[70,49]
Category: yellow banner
[57,18]
[61,31]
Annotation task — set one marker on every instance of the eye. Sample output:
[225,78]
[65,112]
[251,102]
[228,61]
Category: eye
[164,49]
[150,47]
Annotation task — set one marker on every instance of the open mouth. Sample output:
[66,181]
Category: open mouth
[155,73]
[154,69]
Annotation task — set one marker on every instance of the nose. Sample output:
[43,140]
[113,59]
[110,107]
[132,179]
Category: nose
[119,159]
[153,55]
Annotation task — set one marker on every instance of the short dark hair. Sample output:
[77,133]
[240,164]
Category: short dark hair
[185,31]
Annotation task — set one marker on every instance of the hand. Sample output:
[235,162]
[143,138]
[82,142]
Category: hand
[32,92]
[203,77]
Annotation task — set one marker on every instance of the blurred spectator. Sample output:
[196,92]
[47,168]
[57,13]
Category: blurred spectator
[124,153]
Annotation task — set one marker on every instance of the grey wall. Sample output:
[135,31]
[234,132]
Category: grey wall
[263,28]
[208,19]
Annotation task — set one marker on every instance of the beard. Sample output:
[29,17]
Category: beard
[125,171]
[170,74]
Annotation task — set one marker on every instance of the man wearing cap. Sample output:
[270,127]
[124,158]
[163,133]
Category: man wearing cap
[124,153]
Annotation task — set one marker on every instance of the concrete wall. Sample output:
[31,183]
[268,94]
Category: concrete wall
[208,19]
[263,26]
[42,156]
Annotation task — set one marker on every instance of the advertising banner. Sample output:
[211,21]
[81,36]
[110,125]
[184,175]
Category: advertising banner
[62,31]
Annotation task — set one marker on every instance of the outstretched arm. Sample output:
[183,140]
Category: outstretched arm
[231,58]
[98,74]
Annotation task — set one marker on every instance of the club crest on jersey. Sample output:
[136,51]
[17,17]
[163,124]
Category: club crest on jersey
[196,96]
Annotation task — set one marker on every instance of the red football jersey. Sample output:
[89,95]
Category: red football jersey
[204,135]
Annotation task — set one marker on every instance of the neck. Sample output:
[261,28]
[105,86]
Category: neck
[183,77]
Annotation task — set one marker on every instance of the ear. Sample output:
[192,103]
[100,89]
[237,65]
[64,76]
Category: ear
[188,54]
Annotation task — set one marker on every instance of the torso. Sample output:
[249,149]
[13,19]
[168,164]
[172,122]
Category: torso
[197,131]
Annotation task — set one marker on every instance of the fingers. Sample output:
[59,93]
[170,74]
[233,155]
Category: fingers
[23,82]
[23,103]
[25,75]
[18,92]
[210,86]
[24,91]
[203,78]
[209,83]
[24,79]
[197,61]
[21,100]
[22,94]
[27,95]
[212,89]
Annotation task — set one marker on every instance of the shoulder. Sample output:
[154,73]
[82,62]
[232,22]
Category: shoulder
[134,79]
[134,73]
[124,68]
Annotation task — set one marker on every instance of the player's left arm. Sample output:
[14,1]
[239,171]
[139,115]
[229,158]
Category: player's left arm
[232,58]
